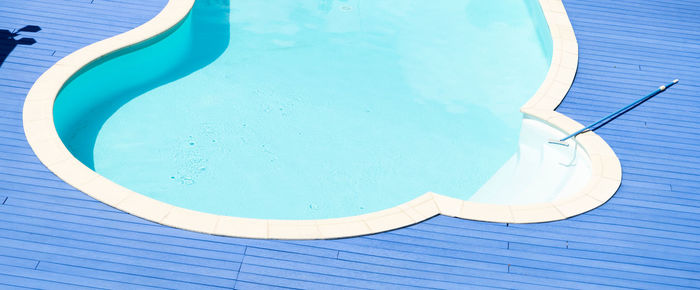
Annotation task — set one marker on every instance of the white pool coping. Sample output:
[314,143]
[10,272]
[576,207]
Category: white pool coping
[44,140]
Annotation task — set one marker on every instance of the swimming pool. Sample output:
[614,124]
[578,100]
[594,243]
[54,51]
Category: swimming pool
[310,110]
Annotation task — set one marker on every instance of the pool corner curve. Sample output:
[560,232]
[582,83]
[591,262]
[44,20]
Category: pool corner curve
[606,175]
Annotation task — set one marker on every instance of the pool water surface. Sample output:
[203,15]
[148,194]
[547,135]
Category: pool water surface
[312,109]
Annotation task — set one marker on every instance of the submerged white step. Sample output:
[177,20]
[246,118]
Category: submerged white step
[540,171]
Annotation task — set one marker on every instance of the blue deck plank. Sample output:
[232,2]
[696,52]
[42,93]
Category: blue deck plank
[459,274]
[167,252]
[62,200]
[38,279]
[613,281]
[117,261]
[242,285]
[381,268]
[192,264]
[258,278]
[227,251]
[8,259]
[24,189]
[53,236]
[526,256]
[134,276]
[341,276]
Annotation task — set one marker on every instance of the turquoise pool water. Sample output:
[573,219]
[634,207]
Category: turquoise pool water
[311,109]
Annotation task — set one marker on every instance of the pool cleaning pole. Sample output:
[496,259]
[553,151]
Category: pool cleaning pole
[618,112]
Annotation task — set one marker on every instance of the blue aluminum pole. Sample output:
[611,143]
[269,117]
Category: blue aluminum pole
[637,102]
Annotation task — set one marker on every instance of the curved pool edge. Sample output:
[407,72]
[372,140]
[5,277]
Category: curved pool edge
[44,140]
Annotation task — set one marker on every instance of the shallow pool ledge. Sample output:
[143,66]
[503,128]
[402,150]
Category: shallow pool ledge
[605,176]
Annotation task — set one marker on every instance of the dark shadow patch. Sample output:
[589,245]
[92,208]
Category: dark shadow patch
[9,40]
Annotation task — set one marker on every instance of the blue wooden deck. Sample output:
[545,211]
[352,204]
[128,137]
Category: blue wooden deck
[647,236]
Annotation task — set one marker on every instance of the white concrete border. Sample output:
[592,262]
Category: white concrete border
[44,140]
